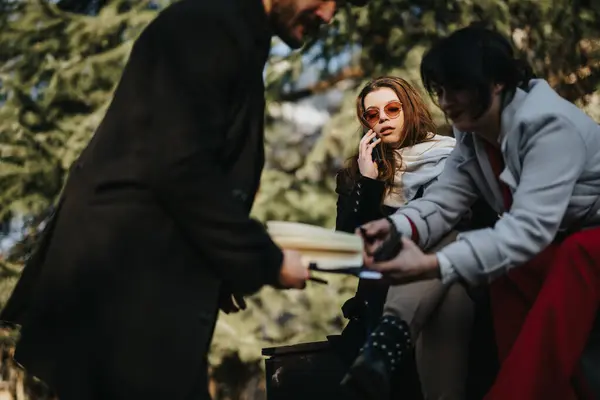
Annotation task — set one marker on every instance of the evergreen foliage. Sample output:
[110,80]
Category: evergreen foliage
[60,61]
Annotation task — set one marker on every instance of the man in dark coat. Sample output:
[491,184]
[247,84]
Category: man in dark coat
[120,299]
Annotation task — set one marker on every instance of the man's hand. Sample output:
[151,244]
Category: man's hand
[231,303]
[293,273]
[374,234]
[410,265]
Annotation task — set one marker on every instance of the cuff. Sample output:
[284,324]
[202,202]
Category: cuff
[413,229]
[370,190]
[403,224]
[370,183]
[447,271]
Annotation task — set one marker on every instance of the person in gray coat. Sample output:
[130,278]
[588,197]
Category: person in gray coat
[535,158]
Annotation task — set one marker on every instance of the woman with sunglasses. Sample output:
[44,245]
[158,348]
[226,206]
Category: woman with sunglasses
[399,127]
[535,158]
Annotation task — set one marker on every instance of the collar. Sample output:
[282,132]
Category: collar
[512,105]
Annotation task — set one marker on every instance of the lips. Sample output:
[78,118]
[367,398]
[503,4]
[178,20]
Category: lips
[386,130]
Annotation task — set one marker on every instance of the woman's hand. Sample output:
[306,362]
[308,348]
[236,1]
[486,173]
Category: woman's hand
[374,233]
[410,265]
[366,166]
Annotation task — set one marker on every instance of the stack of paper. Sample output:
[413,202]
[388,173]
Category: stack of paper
[329,250]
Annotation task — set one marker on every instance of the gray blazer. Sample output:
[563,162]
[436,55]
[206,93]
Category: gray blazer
[552,154]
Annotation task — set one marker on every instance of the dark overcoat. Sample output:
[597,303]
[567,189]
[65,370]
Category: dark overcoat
[121,296]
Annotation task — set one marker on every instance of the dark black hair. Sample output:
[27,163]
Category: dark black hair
[474,58]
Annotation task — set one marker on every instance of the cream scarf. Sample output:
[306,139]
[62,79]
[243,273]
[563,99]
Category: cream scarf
[421,164]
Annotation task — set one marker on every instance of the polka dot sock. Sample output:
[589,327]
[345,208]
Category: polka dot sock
[390,340]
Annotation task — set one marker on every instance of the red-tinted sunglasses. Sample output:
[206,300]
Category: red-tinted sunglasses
[391,109]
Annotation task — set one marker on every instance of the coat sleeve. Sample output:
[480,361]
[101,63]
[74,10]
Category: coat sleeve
[188,180]
[539,204]
[358,202]
[443,205]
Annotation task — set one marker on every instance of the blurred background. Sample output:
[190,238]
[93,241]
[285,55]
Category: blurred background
[61,59]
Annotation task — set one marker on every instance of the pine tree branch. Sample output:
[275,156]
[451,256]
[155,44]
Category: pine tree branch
[321,86]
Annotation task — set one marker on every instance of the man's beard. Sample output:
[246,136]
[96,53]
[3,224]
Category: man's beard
[284,17]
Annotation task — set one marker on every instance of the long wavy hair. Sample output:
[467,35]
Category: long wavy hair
[418,127]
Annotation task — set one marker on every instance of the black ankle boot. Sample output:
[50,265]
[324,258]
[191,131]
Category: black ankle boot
[370,374]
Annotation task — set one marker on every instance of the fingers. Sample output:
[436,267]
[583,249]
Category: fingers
[370,242]
[373,235]
[367,136]
[386,266]
[372,247]
[366,229]
[364,142]
[367,258]
[375,228]
[372,145]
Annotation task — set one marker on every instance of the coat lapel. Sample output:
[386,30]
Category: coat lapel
[509,140]
[478,166]
[490,181]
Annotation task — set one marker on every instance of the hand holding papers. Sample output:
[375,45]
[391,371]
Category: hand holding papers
[322,249]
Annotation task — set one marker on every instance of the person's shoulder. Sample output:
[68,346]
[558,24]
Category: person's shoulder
[538,110]
[201,11]
[344,181]
[541,105]
[540,99]
[187,23]
[206,8]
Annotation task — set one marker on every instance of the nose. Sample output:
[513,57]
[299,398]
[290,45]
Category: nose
[383,116]
[326,11]
[443,100]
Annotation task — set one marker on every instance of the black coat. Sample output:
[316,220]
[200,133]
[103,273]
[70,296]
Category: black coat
[359,202]
[154,218]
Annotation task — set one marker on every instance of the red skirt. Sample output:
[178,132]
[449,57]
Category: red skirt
[543,314]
